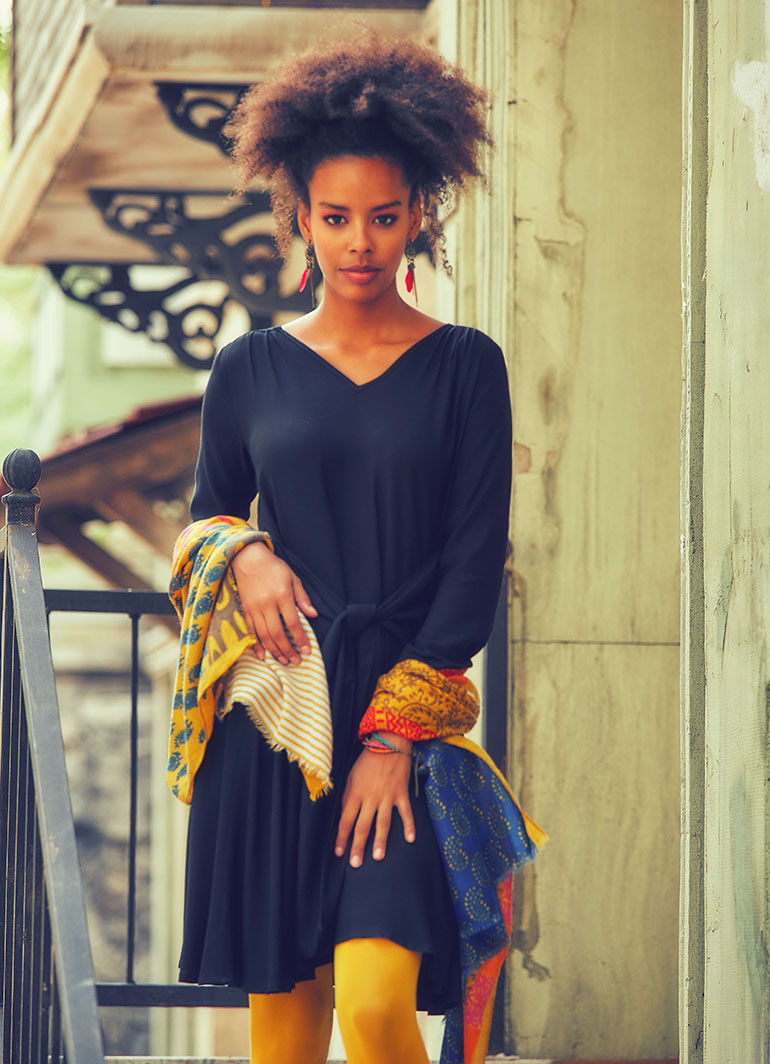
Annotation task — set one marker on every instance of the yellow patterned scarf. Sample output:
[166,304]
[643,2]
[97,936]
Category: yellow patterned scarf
[289,704]
[214,634]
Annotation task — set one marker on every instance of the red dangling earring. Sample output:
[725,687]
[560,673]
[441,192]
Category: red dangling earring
[410,282]
[307,273]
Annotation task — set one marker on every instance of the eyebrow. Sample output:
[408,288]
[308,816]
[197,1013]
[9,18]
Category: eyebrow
[382,206]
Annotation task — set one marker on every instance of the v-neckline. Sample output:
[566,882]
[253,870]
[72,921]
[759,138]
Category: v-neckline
[359,387]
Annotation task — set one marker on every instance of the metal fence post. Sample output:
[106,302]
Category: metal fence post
[21,470]
[36,797]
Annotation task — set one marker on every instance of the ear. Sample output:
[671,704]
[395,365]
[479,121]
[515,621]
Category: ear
[303,220]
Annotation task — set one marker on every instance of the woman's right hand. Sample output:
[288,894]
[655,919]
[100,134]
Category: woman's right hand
[269,590]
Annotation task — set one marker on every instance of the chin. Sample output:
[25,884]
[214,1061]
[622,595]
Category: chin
[360,295]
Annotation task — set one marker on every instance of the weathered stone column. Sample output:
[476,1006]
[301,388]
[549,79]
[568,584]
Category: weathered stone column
[572,264]
[726,508]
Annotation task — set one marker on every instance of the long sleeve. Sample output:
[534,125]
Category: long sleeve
[460,618]
[224,474]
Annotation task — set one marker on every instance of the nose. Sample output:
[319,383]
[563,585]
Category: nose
[360,241]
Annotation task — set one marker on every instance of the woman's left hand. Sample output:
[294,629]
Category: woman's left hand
[377,784]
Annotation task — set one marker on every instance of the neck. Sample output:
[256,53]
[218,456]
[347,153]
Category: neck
[341,319]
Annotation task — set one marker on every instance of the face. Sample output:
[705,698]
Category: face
[359,220]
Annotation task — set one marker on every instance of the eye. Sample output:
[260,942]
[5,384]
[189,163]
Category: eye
[386,219]
[334,219]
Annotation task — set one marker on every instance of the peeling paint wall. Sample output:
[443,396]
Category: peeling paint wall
[727,227]
[572,264]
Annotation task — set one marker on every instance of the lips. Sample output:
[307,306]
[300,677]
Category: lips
[360,274]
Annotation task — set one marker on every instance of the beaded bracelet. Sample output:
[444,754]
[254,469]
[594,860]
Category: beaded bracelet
[375,742]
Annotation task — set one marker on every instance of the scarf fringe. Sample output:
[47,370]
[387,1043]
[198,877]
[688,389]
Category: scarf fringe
[317,783]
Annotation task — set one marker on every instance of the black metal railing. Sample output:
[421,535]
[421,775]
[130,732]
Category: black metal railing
[50,998]
[135,605]
[49,1006]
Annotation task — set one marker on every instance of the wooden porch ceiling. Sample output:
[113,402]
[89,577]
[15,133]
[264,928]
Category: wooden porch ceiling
[99,122]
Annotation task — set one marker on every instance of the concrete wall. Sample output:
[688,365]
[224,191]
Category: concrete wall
[572,264]
[727,564]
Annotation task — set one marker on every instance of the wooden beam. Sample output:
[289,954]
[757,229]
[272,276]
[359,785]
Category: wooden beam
[130,506]
[48,136]
[68,531]
[145,457]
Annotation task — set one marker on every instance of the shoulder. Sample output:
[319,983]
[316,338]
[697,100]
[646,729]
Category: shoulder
[230,359]
[240,358]
[237,353]
[473,341]
[477,356]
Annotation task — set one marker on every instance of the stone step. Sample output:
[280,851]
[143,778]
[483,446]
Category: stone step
[242,1060]
[500,1058]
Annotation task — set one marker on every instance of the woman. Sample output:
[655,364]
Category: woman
[378,440]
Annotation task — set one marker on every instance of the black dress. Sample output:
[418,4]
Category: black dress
[390,501]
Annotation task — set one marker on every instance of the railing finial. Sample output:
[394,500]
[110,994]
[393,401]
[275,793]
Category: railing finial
[21,470]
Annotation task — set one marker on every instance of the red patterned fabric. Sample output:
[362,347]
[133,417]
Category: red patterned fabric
[380,718]
[481,985]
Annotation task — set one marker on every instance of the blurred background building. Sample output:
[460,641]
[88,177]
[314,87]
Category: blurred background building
[627,198]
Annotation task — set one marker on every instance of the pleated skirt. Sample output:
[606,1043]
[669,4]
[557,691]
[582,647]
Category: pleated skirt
[266,899]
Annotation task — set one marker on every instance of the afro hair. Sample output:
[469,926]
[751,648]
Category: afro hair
[366,95]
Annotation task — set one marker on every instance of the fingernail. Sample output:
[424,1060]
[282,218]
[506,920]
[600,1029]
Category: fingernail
[410,838]
[339,850]
[305,649]
[377,854]
[355,861]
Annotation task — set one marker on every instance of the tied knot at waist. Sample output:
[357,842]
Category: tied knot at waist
[398,612]
[358,616]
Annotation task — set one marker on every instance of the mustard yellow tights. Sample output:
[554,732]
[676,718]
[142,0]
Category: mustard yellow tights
[293,1028]
[375,990]
[376,996]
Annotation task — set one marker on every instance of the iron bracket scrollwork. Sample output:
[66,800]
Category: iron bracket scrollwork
[200,109]
[204,233]
[185,313]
